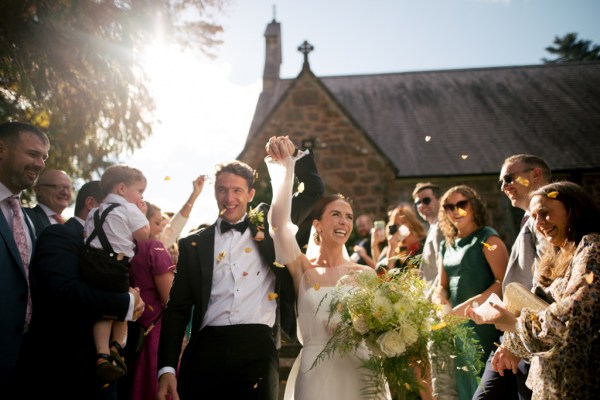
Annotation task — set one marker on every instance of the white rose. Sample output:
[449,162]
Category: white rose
[391,343]
[409,333]
[360,324]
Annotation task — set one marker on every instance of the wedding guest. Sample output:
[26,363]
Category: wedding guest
[66,308]
[427,202]
[226,274]
[23,152]
[53,192]
[362,247]
[472,263]
[110,231]
[562,340]
[332,220]
[520,175]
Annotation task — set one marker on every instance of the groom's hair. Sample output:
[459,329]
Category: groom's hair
[237,168]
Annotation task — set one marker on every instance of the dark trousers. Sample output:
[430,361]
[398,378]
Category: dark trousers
[237,362]
[510,386]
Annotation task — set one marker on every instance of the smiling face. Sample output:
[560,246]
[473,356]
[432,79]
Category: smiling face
[427,204]
[21,162]
[233,196]
[459,212]
[335,225]
[54,189]
[520,176]
[551,219]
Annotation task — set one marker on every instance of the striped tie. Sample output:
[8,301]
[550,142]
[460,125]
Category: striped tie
[18,225]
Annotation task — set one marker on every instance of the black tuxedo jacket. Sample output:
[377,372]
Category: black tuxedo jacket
[38,217]
[64,311]
[193,280]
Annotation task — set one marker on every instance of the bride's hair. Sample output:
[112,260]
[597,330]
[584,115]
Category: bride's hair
[322,204]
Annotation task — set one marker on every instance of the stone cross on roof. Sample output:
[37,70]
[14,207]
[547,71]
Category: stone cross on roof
[305,48]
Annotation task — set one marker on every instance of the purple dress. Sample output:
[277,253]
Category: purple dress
[151,259]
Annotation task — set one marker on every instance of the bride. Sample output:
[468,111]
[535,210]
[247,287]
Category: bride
[315,275]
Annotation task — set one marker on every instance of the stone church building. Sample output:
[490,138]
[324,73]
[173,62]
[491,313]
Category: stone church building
[376,136]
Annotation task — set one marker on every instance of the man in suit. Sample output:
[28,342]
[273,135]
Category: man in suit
[62,345]
[53,194]
[239,297]
[23,152]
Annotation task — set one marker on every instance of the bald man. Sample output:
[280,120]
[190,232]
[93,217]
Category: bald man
[53,192]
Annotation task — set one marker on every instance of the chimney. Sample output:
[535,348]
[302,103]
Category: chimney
[272,56]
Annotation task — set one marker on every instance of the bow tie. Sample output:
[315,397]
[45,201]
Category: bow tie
[240,226]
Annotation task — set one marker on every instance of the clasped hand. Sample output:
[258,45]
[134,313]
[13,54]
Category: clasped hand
[503,319]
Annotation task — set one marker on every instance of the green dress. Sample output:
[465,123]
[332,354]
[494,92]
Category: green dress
[468,275]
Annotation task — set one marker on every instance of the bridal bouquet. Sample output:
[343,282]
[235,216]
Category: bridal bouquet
[393,316]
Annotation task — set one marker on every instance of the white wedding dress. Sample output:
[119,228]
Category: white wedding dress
[338,377]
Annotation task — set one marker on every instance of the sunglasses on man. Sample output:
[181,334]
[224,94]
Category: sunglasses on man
[510,178]
[449,207]
[424,200]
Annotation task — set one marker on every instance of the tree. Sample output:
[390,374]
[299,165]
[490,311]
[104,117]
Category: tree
[73,68]
[568,48]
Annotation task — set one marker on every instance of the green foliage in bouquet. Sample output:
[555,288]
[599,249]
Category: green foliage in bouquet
[392,315]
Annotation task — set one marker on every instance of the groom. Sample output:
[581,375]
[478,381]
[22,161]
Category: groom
[240,299]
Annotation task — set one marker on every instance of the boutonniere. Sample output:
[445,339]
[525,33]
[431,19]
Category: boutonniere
[257,224]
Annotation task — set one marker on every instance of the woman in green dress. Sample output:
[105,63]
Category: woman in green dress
[473,262]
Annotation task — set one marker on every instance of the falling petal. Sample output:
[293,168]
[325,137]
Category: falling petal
[221,256]
[105,386]
[223,211]
[300,187]
[167,178]
[159,249]
[278,265]
[453,356]
[194,244]
[552,195]
[589,278]
[407,386]
[305,246]
[316,286]
[464,368]
[245,273]
[464,156]
[248,249]
[272,296]
[522,181]
[462,212]
[427,138]
[150,307]
[255,385]
[490,247]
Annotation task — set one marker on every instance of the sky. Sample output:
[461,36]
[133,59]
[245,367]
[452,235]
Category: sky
[205,106]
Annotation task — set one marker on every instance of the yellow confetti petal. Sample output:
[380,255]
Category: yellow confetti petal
[427,138]
[272,296]
[167,178]
[194,244]
[522,181]
[105,386]
[552,195]
[463,368]
[150,308]
[490,247]
[407,386]
[316,286]
[221,256]
[589,278]
[223,211]
[301,187]
[255,385]
[461,212]
[278,265]
[248,249]
[438,326]
[464,156]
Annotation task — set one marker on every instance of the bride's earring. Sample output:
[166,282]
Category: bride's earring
[317,238]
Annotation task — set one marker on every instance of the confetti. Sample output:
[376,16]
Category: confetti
[301,187]
[245,273]
[316,286]
[223,211]
[278,265]
[522,181]
[255,385]
[272,296]
[438,326]
[464,156]
[305,246]
[159,249]
[194,244]
[461,212]
[221,256]
[427,138]
[150,307]
[552,195]
[463,368]
[490,247]
[248,249]
[589,278]
[167,178]
[407,386]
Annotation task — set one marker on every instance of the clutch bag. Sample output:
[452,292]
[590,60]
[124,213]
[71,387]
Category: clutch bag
[517,297]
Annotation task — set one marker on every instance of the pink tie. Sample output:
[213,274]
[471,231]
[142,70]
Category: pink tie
[58,218]
[21,240]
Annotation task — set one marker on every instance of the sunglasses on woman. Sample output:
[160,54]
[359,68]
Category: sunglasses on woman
[424,200]
[449,207]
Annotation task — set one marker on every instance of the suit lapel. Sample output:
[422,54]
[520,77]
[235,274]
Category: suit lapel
[6,233]
[205,254]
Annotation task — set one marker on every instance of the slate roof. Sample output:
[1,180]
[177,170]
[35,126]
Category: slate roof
[486,114]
